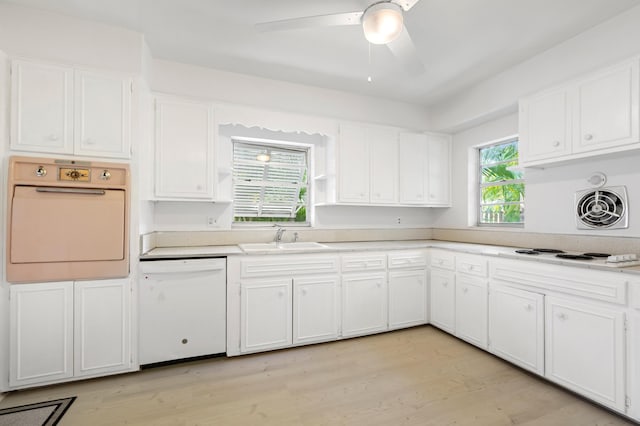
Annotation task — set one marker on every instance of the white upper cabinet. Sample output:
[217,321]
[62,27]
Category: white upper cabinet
[353,165]
[102,115]
[425,169]
[413,168]
[41,108]
[545,125]
[439,169]
[367,165]
[184,149]
[60,110]
[606,113]
[594,115]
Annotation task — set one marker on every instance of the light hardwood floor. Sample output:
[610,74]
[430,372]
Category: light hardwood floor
[419,376]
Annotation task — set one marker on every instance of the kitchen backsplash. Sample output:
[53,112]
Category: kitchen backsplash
[479,236]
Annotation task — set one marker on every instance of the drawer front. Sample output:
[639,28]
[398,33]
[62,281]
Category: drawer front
[264,266]
[407,259]
[443,259]
[592,284]
[472,265]
[364,262]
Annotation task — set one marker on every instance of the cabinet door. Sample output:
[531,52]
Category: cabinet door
[353,165]
[471,310]
[545,125]
[383,145]
[516,327]
[443,300]
[585,350]
[184,147]
[41,108]
[413,168]
[265,314]
[41,333]
[102,327]
[438,169]
[102,115]
[606,112]
[315,309]
[407,298]
[364,303]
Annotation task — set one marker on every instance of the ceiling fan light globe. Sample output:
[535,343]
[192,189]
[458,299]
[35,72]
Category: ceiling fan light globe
[382,23]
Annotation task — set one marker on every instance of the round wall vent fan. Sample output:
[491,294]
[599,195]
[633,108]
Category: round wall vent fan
[602,208]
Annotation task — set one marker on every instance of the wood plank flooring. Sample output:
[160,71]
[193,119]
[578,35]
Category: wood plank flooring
[420,376]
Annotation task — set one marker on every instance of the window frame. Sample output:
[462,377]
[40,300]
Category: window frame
[480,185]
[273,143]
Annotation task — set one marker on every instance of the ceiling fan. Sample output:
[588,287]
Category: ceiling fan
[382,23]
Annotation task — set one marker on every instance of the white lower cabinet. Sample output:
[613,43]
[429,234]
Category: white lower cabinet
[585,350]
[443,299]
[41,336]
[316,302]
[407,298]
[516,327]
[471,310]
[266,308]
[101,327]
[65,329]
[364,303]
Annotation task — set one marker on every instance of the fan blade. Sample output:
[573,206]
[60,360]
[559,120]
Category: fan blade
[404,49]
[405,4]
[349,18]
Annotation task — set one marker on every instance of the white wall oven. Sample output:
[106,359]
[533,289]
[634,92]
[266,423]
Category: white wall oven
[67,220]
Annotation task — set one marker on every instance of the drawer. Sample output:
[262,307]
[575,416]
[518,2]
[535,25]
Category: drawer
[589,283]
[472,264]
[443,259]
[407,259]
[276,265]
[364,262]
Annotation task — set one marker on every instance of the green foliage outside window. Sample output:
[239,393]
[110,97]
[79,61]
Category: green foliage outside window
[501,185]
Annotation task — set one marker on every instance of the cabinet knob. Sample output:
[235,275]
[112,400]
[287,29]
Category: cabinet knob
[562,317]
[304,291]
[528,308]
[53,137]
[185,341]
[465,290]
[89,141]
[362,194]
[418,196]
[199,187]
[445,283]
[556,143]
[588,137]
[281,293]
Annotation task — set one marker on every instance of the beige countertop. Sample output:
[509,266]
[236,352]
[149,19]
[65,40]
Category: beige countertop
[341,247]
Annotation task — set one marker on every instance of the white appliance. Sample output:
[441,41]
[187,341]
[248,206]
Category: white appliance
[602,208]
[182,309]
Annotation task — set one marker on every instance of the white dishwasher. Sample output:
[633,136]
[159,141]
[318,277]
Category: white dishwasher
[182,309]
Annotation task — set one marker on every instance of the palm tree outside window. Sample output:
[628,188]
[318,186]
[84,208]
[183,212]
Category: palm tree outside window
[501,200]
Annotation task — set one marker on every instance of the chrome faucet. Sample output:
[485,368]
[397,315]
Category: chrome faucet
[279,233]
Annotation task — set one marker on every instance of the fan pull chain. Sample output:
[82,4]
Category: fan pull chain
[369,77]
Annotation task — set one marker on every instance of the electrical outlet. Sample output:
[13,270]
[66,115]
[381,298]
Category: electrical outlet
[211,221]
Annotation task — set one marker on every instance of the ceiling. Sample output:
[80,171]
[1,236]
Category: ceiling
[461,42]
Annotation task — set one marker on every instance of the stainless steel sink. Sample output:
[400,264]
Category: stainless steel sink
[272,247]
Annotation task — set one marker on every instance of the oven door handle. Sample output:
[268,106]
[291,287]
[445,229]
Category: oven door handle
[87,191]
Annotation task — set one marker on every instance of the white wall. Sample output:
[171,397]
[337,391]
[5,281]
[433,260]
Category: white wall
[604,44]
[189,80]
[48,36]
[549,192]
